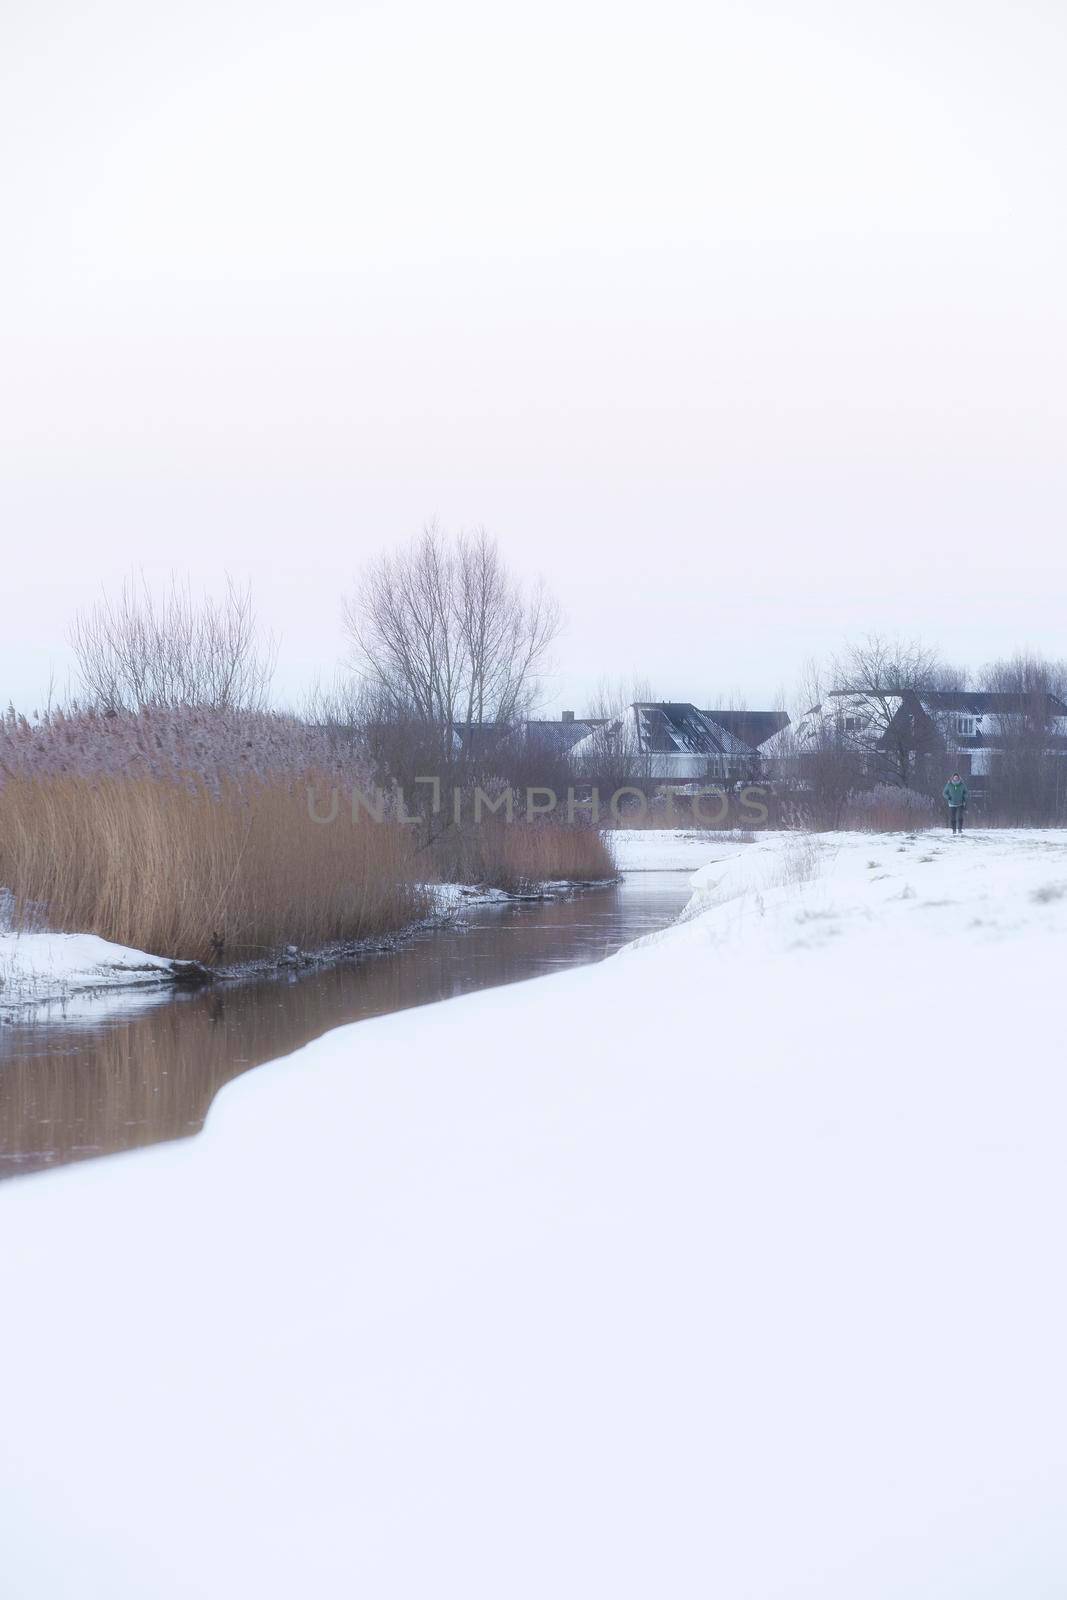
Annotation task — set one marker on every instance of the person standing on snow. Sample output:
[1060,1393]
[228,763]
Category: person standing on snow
[956,794]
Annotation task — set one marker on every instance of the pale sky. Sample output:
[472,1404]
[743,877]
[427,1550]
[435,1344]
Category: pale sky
[743,324]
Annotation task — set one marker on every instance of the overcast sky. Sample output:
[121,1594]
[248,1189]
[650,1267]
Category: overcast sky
[743,324]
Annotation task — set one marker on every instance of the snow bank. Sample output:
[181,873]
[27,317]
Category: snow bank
[670,849]
[729,1267]
[49,966]
[45,969]
[451,898]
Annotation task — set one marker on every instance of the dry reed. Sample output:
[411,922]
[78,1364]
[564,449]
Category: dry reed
[171,868]
[518,855]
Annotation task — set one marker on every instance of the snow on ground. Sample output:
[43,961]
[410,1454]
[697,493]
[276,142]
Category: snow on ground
[728,1267]
[670,849]
[451,898]
[37,967]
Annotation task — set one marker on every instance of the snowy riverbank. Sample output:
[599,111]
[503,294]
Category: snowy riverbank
[48,973]
[727,1266]
[39,967]
[670,849]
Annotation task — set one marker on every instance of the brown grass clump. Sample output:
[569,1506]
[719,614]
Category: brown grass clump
[175,869]
[520,855]
[889,810]
[530,853]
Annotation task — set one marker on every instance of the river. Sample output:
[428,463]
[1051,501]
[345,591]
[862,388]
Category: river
[119,1071]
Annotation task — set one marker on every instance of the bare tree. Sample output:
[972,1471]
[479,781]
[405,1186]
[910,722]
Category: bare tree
[504,634]
[444,634]
[818,757]
[610,758]
[882,678]
[139,649]
[1028,777]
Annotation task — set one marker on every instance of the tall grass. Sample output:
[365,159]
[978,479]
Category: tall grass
[883,809]
[518,855]
[176,741]
[173,868]
[231,872]
[886,809]
[187,833]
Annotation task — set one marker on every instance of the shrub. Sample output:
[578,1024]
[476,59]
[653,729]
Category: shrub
[886,809]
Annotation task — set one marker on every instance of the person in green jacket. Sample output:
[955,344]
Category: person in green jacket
[956,794]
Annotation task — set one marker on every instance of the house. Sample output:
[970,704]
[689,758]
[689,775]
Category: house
[677,743]
[555,735]
[754,728]
[961,729]
[670,741]
[560,736]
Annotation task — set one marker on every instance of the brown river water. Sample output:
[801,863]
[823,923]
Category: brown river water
[116,1071]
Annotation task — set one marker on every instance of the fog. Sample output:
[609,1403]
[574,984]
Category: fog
[743,325]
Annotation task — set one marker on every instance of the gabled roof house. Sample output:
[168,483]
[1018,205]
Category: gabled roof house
[964,726]
[679,743]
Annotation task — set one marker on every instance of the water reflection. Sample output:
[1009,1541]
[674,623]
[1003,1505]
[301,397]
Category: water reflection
[129,1072]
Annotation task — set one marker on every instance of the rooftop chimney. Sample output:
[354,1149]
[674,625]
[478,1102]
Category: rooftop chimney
[568,716]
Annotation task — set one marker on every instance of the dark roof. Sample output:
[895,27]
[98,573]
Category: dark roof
[668,727]
[559,735]
[754,727]
[549,733]
[674,727]
[977,705]
[972,703]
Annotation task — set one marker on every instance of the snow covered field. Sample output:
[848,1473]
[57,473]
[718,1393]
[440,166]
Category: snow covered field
[729,1267]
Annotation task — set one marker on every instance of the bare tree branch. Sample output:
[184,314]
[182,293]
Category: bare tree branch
[445,635]
[137,649]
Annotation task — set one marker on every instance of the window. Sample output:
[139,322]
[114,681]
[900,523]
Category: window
[854,724]
[966,727]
